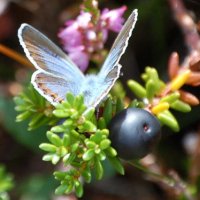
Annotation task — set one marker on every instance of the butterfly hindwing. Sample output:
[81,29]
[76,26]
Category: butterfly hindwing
[53,88]
[98,87]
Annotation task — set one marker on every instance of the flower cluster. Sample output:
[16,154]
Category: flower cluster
[82,38]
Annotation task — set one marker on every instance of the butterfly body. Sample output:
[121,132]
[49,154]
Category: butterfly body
[57,74]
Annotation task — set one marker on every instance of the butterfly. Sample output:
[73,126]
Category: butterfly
[57,74]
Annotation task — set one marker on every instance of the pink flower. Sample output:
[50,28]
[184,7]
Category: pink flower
[84,19]
[81,58]
[114,18]
[82,39]
[71,37]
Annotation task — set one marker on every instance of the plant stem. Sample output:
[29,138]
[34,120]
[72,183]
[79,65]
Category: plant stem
[165,179]
[171,182]
[15,56]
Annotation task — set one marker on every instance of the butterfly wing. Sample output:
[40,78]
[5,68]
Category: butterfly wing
[53,88]
[111,68]
[98,87]
[119,46]
[56,73]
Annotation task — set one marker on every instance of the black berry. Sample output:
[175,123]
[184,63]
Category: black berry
[134,132]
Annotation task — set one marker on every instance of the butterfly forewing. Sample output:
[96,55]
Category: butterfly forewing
[45,55]
[111,68]
[119,45]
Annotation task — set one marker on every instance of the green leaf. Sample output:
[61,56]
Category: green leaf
[55,159]
[150,73]
[101,155]
[59,175]
[99,169]
[104,132]
[169,120]
[90,144]
[107,112]
[87,175]
[23,116]
[111,152]
[49,135]
[6,180]
[61,189]
[97,150]
[181,106]
[150,88]
[136,104]
[170,98]
[74,114]
[78,189]
[70,98]
[69,158]
[66,140]
[97,137]
[61,151]
[48,147]
[43,121]
[88,155]
[48,157]
[70,187]
[89,113]
[63,105]
[101,123]
[104,144]
[116,164]
[119,105]
[75,146]
[56,140]
[87,126]
[32,105]
[61,113]
[75,134]
[79,101]
[58,129]
[36,118]
[68,123]
[137,89]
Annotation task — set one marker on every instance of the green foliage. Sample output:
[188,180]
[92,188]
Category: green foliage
[157,96]
[79,140]
[32,106]
[18,131]
[6,183]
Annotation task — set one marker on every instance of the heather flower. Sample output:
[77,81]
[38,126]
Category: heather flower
[113,18]
[80,57]
[71,36]
[82,39]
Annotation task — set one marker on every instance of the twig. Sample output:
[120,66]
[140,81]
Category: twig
[15,56]
[189,28]
[172,181]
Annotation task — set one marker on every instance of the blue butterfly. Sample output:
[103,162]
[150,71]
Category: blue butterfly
[58,75]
